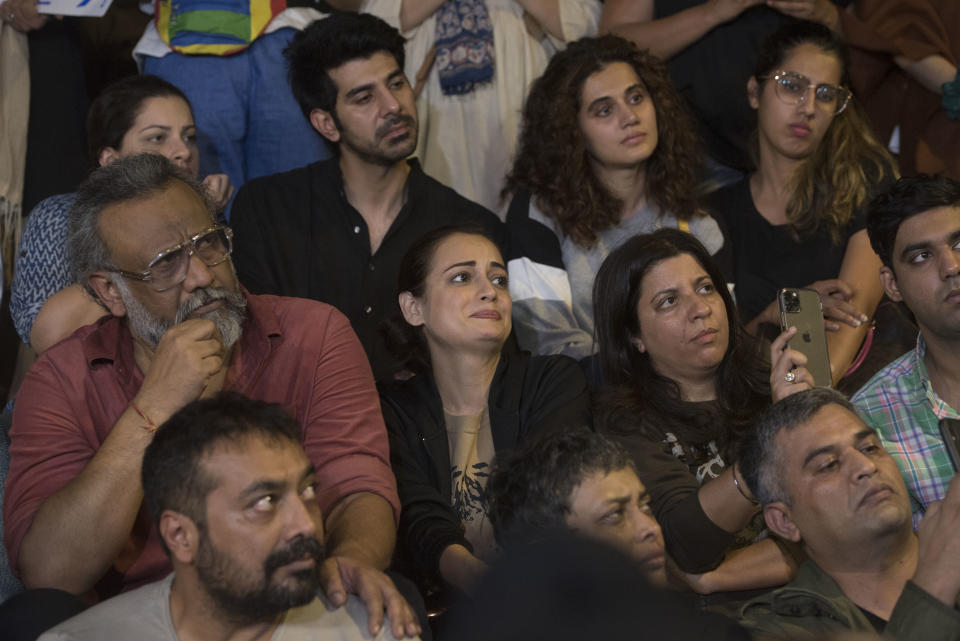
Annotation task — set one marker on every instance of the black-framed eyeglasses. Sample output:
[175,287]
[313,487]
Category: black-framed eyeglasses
[212,245]
[793,88]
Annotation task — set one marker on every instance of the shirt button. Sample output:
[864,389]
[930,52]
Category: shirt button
[372,267]
[367,310]
[356,230]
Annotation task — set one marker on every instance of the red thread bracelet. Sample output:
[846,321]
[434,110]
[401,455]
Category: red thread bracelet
[150,426]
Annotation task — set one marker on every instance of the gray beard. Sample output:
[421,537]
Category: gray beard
[150,328]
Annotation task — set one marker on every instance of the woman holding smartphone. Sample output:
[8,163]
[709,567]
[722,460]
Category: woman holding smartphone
[798,220]
[683,381]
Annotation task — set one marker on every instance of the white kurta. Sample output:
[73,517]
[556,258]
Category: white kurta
[467,141]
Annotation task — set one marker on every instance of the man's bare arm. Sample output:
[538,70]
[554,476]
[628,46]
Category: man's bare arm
[362,527]
[361,532]
[666,37]
[414,12]
[79,531]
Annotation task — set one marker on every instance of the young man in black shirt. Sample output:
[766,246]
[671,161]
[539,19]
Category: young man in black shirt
[336,230]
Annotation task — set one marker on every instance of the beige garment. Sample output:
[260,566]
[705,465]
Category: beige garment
[467,141]
[471,454]
[14,113]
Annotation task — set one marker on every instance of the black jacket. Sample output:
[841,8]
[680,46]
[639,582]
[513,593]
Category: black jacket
[295,234]
[527,394]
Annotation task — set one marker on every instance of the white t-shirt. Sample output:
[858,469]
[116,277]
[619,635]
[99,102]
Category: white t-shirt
[144,615]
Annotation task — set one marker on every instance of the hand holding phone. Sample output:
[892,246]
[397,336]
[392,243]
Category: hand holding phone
[801,308]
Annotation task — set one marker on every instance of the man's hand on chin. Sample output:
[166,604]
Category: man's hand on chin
[343,575]
[185,364]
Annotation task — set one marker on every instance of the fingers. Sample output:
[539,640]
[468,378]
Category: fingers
[403,622]
[837,311]
[220,188]
[340,575]
[795,8]
[332,583]
[22,15]
[185,359]
[372,598]
[833,287]
[788,372]
[780,343]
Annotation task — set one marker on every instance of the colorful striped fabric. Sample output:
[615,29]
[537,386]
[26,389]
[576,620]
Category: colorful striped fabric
[213,27]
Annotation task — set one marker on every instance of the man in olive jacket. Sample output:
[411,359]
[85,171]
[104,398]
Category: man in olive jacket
[824,481]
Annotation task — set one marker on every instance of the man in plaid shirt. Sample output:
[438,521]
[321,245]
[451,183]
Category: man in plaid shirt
[915,229]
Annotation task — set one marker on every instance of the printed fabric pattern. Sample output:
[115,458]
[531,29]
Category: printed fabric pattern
[464,46]
[42,268]
[192,27]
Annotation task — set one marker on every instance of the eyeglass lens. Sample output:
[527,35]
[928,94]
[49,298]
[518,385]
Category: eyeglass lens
[794,88]
[171,268]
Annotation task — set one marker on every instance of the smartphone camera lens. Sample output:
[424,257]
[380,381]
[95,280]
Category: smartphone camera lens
[791,302]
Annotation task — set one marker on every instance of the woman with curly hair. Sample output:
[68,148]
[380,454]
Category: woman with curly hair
[606,152]
[799,219]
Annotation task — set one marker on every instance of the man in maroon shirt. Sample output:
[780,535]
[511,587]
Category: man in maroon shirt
[144,242]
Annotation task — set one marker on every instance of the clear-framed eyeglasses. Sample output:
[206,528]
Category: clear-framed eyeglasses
[212,245]
[793,88]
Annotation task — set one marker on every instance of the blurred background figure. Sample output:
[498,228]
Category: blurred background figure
[904,70]
[570,589]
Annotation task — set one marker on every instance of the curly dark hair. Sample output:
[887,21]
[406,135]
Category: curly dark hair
[529,490]
[552,160]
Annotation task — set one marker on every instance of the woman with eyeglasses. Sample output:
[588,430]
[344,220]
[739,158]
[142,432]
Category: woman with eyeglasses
[138,114]
[798,220]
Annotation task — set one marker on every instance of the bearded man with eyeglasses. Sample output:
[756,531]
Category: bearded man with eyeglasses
[144,242]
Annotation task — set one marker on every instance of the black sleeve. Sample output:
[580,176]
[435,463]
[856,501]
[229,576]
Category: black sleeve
[561,397]
[695,542]
[528,238]
[253,241]
[428,523]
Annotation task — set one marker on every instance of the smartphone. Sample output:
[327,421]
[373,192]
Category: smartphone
[801,308]
[950,432]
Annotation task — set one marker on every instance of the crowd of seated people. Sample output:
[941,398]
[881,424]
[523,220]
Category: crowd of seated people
[360,416]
